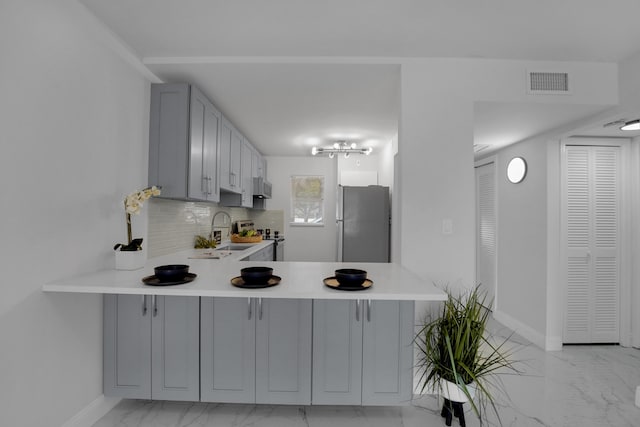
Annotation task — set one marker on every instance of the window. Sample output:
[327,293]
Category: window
[307,200]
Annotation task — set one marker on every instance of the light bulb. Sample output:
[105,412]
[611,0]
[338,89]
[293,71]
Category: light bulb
[336,145]
[353,145]
[314,151]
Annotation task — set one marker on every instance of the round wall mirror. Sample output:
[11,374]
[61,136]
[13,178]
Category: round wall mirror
[516,170]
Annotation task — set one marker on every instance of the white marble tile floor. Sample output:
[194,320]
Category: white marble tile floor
[580,386]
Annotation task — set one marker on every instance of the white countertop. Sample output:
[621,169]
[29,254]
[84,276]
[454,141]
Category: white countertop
[300,280]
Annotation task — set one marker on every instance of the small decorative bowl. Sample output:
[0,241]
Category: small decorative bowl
[254,275]
[171,273]
[350,276]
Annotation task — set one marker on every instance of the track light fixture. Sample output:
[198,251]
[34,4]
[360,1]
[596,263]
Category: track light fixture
[341,147]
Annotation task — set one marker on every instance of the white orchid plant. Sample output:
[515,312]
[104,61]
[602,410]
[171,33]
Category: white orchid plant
[132,205]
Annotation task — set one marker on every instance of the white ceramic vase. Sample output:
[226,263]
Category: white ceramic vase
[452,392]
[130,260]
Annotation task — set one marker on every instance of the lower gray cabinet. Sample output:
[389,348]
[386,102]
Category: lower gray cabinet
[151,347]
[362,352]
[256,350]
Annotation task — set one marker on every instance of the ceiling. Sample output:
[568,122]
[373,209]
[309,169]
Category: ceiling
[284,107]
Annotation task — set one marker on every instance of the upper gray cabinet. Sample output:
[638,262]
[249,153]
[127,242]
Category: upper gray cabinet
[362,352]
[243,197]
[230,148]
[258,165]
[184,143]
[151,347]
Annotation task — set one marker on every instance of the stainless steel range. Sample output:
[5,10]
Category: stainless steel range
[267,234]
[278,246]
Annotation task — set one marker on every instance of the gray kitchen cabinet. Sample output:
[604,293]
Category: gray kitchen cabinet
[258,165]
[227,347]
[256,350]
[184,132]
[246,173]
[283,351]
[230,150]
[245,197]
[362,352]
[151,347]
[264,254]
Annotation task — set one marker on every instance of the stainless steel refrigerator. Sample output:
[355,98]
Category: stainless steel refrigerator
[364,224]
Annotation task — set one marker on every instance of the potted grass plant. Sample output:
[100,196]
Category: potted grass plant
[459,359]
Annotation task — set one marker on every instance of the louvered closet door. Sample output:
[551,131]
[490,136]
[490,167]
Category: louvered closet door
[486,229]
[591,223]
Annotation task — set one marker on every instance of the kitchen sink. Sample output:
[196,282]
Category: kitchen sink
[234,247]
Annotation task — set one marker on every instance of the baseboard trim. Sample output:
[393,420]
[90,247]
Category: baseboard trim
[520,328]
[91,413]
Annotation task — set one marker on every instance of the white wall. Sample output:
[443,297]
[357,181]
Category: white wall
[73,143]
[305,243]
[435,179]
[522,240]
[630,102]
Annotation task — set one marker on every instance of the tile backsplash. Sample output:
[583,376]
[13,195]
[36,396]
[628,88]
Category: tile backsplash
[173,224]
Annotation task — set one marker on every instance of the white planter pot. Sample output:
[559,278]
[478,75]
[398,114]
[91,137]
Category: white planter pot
[130,260]
[452,392]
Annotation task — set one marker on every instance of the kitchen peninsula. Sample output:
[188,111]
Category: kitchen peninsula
[299,342]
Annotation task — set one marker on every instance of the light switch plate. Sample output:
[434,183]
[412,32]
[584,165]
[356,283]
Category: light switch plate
[447,226]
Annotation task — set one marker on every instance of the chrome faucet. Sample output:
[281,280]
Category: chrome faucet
[226,220]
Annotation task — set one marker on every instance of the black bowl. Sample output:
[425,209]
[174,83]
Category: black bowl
[351,276]
[255,275]
[171,273]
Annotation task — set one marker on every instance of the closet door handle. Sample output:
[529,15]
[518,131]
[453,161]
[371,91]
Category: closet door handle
[259,308]
[249,307]
[368,310]
[357,310]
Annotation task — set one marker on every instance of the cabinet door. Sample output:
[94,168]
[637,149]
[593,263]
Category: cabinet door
[203,170]
[337,352]
[387,352]
[175,344]
[127,346]
[235,159]
[257,164]
[247,174]
[227,360]
[265,254]
[283,351]
[168,139]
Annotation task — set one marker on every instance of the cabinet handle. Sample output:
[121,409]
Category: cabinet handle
[209,186]
[357,310]
[368,310]
[259,308]
[249,307]
[232,179]
[144,305]
[202,181]
[154,304]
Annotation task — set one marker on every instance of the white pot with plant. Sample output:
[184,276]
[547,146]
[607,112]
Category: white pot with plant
[130,256]
[459,359]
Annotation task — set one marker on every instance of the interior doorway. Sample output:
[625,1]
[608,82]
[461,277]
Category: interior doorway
[591,230]
[486,230]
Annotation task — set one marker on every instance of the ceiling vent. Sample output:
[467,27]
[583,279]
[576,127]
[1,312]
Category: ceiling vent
[547,83]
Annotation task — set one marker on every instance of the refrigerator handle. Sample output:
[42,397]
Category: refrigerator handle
[339,228]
